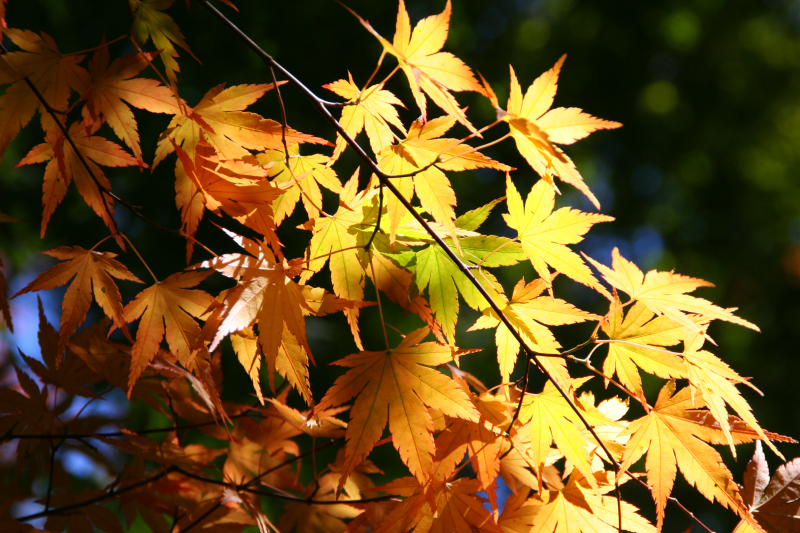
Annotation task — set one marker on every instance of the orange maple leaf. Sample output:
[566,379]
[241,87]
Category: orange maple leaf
[65,166]
[52,73]
[397,385]
[90,273]
[113,89]
[167,307]
[429,70]
[237,188]
[266,294]
[440,506]
[219,119]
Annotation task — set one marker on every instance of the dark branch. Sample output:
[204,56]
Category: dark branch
[385,180]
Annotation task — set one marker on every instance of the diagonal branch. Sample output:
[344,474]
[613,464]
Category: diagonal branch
[385,180]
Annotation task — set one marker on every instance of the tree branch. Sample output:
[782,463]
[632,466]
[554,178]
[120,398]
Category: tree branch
[385,180]
[91,501]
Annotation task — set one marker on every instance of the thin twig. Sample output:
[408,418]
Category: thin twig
[278,495]
[51,473]
[197,521]
[91,501]
[378,219]
[106,434]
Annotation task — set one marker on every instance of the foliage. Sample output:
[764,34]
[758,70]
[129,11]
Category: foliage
[382,235]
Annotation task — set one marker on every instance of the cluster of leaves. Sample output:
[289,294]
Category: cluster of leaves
[394,233]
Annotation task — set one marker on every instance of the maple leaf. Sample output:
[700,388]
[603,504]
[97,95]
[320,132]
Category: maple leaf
[547,419]
[113,89]
[435,507]
[664,293]
[65,166]
[482,441]
[149,22]
[672,440]
[265,294]
[574,508]
[89,273]
[773,502]
[537,129]
[300,179]
[429,70]
[52,73]
[545,234]
[168,306]
[372,109]
[716,382]
[529,311]
[317,423]
[397,385]
[444,281]
[338,242]
[398,284]
[237,188]
[638,341]
[301,518]
[219,119]
[423,156]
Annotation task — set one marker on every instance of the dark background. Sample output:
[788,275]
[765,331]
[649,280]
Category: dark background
[701,178]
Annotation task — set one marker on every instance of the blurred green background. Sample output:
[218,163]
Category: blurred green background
[702,177]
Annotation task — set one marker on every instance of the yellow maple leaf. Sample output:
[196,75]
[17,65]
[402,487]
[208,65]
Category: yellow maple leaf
[716,382]
[530,313]
[150,22]
[338,242]
[547,419]
[428,69]
[575,508]
[545,234]
[300,179]
[672,439]
[638,341]
[664,293]
[398,386]
[167,307]
[372,109]
[537,129]
[423,156]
